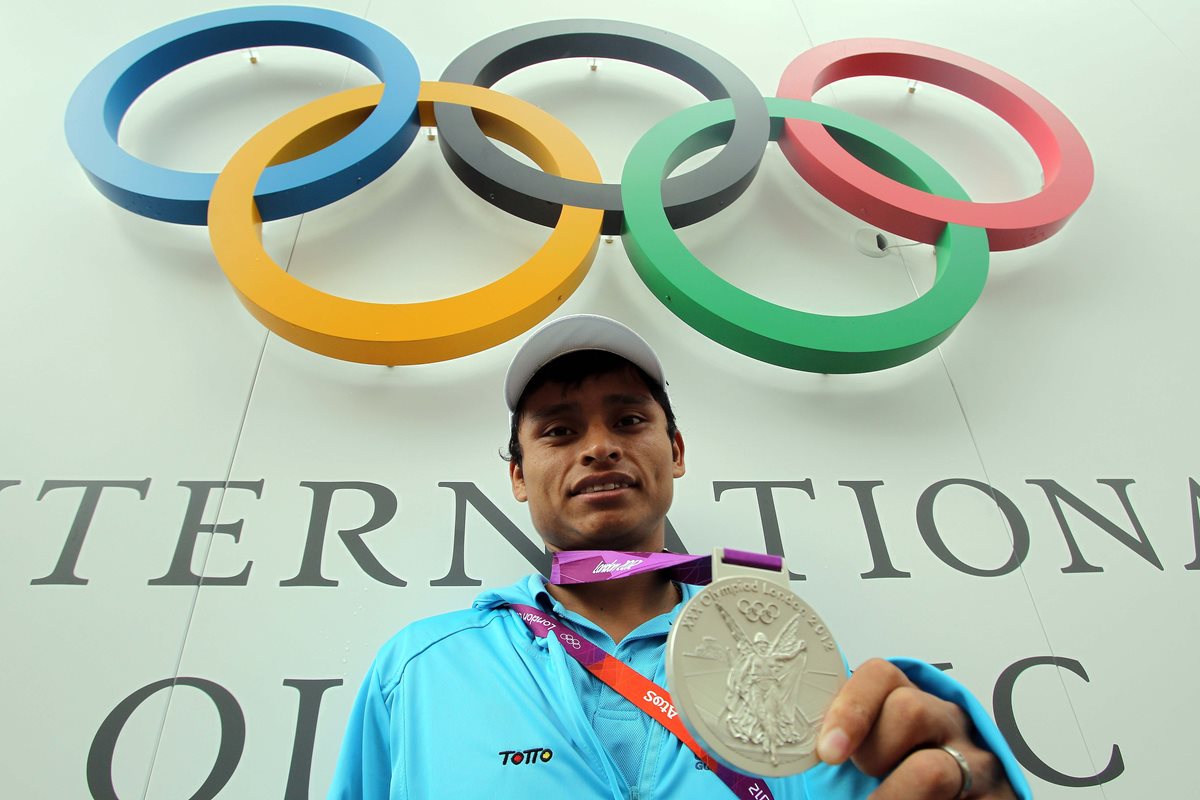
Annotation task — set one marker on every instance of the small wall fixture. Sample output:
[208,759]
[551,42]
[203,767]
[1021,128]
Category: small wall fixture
[871,242]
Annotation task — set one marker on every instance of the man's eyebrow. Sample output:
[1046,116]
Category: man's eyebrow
[628,400]
[558,409]
[545,412]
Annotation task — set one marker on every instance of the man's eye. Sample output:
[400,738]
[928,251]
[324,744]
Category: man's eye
[557,430]
[631,419]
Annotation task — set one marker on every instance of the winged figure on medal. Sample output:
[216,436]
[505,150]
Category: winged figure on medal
[760,704]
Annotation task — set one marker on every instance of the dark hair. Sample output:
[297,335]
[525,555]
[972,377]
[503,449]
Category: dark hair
[571,370]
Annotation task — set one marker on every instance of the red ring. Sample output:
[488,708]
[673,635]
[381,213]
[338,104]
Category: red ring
[847,182]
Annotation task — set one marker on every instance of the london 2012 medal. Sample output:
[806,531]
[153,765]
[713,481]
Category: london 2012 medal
[752,668]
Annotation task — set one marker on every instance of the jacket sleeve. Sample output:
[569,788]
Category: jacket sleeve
[939,684]
[367,767]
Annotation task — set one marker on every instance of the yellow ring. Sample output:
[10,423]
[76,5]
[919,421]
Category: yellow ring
[402,333]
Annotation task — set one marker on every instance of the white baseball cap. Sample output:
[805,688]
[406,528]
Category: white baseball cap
[571,334]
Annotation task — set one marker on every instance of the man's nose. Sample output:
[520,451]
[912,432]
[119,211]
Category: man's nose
[600,444]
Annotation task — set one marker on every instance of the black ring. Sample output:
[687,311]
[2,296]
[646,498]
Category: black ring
[539,196]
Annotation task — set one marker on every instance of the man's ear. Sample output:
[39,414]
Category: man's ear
[677,454]
[517,476]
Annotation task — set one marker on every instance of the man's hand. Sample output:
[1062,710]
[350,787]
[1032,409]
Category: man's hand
[891,729]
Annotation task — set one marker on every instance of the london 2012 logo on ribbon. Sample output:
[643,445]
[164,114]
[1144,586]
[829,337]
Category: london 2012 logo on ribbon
[328,149]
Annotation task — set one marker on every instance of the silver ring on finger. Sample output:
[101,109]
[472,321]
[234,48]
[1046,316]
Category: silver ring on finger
[963,767]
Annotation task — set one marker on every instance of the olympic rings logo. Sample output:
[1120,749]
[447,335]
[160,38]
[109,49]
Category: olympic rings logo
[757,611]
[567,638]
[328,149]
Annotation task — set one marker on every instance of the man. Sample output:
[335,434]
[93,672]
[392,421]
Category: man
[476,704]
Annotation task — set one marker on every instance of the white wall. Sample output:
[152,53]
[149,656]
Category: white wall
[127,358]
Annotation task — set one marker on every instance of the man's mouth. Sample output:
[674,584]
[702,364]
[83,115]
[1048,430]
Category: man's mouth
[603,482]
[603,487]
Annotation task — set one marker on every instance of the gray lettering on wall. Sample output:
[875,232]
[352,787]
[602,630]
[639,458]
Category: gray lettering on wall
[384,505]
[933,539]
[4,484]
[311,693]
[1002,707]
[229,752]
[881,561]
[180,572]
[1195,487]
[767,514]
[1137,541]
[467,493]
[671,539]
[300,770]
[64,571]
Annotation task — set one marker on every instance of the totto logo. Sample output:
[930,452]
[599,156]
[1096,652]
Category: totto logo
[534,755]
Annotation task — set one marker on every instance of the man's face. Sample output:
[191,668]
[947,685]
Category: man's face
[598,467]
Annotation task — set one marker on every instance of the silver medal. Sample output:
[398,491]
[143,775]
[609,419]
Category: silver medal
[752,669]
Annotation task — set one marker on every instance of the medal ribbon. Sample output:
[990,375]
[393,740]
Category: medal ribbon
[642,692]
[589,566]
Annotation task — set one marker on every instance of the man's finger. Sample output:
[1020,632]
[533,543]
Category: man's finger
[856,707]
[910,719]
[934,774]
[929,774]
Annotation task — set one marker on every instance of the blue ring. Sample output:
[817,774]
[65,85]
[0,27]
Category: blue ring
[102,99]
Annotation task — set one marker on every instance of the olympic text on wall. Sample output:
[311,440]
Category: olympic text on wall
[328,149]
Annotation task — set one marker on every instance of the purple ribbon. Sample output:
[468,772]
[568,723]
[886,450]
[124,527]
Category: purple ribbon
[590,566]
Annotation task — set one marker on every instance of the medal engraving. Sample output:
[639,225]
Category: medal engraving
[752,670]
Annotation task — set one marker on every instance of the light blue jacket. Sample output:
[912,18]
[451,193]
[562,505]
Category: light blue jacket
[471,704]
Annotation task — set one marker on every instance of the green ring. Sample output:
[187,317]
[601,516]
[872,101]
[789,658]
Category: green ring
[770,332]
